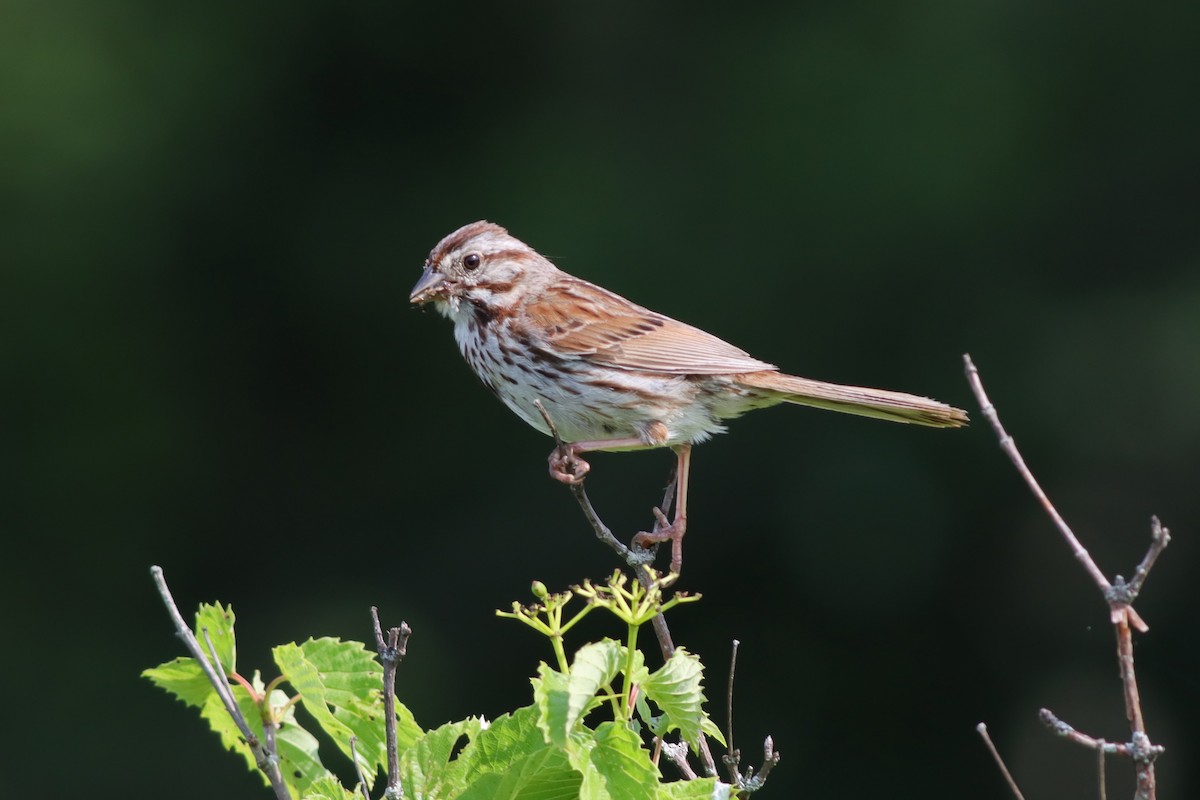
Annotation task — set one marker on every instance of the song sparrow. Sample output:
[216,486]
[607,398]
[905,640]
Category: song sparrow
[611,374]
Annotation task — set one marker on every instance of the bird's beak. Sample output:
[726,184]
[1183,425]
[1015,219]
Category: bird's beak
[429,286]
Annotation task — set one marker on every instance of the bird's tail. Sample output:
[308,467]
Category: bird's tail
[878,403]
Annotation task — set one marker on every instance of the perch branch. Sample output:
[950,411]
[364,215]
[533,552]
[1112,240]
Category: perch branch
[635,559]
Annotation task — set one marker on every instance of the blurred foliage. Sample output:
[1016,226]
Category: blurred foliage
[210,217]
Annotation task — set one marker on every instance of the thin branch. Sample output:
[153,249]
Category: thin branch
[729,696]
[264,755]
[1100,778]
[982,730]
[1133,701]
[362,779]
[1124,749]
[706,757]
[220,670]
[1160,537]
[1010,448]
[265,712]
[391,653]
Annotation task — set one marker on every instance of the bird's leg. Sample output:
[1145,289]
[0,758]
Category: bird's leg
[675,530]
[668,498]
[567,467]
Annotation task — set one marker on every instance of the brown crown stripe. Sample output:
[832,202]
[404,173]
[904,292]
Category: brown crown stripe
[464,235]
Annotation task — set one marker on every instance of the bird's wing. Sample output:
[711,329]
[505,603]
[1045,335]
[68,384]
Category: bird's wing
[581,320]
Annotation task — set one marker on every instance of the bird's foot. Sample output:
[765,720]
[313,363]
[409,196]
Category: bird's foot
[665,531]
[566,466]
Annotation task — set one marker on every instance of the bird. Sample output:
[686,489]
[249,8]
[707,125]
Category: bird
[609,375]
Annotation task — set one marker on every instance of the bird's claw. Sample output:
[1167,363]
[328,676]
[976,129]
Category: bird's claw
[567,467]
[664,531]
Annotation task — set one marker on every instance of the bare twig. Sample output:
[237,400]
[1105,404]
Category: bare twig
[1010,448]
[1060,728]
[1160,537]
[1100,778]
[729,695]
[706,757]
[265,756]
[391,653]
[1117,594]
[220,670]
[362,779]
[981,728]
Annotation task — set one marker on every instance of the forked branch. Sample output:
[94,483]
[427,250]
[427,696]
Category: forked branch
[1119,597]
[391,652]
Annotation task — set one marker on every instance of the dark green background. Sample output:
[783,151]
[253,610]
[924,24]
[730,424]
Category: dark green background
[210,218]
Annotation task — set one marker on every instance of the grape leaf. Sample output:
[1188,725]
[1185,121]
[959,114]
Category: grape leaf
[340,684]
[426,768]
[676,689]
[564,700]
[621,768]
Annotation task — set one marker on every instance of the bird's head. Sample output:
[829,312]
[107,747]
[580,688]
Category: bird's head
[480,264]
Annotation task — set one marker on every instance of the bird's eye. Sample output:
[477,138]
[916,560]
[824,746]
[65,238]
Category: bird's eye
[471,261]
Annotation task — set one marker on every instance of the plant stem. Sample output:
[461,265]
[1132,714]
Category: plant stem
[627,685]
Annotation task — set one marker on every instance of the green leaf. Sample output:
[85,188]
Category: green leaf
[183,678]
[340,684]
[676,689]
[564,700]
[510,759]
[505,741]
[550,699]
[545,775]
[328,787]
[699,789]
[621,767]
[218,620]
[426,770]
